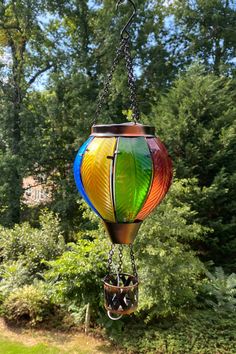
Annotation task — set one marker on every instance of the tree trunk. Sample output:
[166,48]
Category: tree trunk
[15,178]
[218,56]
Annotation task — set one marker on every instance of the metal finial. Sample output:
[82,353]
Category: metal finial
[124,33]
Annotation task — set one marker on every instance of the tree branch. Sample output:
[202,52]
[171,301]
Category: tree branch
[9,27]
[37,185]
[38,73]
[4,87]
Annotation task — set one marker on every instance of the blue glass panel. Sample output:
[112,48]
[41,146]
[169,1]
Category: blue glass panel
[77,175]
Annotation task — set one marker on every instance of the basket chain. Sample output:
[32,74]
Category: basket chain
[120,259]
[110,257]
[133,260]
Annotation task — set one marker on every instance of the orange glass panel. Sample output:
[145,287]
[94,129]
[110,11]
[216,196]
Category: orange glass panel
[96,175]
[161,179]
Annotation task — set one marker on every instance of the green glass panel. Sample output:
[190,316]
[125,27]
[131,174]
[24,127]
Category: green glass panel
[132,177]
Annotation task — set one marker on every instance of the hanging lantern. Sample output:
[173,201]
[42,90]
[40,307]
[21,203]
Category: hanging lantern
[123,172]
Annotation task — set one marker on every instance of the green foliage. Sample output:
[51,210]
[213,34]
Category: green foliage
[197,127]
[205,29]
[76,277]
[77,313]
[13,276]
[28,48]
[169,271]
[220,291]
[196,120]
[29,303]
[32,245]
[199,332]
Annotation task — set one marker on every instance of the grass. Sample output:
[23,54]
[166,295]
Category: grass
[10,347]
[19,340]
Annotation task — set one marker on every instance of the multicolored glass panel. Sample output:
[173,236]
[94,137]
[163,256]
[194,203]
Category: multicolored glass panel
[123,178]
[132,177]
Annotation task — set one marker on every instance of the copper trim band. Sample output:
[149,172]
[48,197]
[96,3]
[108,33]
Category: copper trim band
[126,129]
[115,287]
[121,312]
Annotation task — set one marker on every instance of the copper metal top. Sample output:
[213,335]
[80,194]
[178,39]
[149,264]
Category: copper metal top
[125,129]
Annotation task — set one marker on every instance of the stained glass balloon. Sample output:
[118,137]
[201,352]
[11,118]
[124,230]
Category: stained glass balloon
[123,172]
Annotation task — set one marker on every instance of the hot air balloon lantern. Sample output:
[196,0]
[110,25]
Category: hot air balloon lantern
[123,172]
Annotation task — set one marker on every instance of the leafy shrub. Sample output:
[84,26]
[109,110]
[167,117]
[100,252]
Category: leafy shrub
[32,245]
[77,313]
[13,275]
[29,303]
[169,270]
[197,332]
[220,291]
[76,277]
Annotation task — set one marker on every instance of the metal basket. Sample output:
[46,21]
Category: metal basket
[121,293]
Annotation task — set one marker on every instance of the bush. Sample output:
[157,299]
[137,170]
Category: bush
[170,272]
[29,303]
[220,291]
[76,277]
[13,275]
[198,332]
[32,245]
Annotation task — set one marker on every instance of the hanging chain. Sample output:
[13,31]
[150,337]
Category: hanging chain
[106,88]
[109,263]
[131,80]
[122,51]
[120,259]
[120,262]
[133,260]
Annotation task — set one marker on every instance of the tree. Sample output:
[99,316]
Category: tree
[27,48]
[205,30]
[196,119]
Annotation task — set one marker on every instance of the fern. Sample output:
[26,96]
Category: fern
[221,290]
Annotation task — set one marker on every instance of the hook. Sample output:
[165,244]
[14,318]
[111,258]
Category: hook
[124,33]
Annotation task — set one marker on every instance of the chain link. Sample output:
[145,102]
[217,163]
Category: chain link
[123,50]
[109,263]
[120,262]
[120,266]
[106,88]
[131,80]
[133,260]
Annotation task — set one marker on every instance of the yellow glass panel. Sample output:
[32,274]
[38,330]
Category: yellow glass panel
[96,173]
